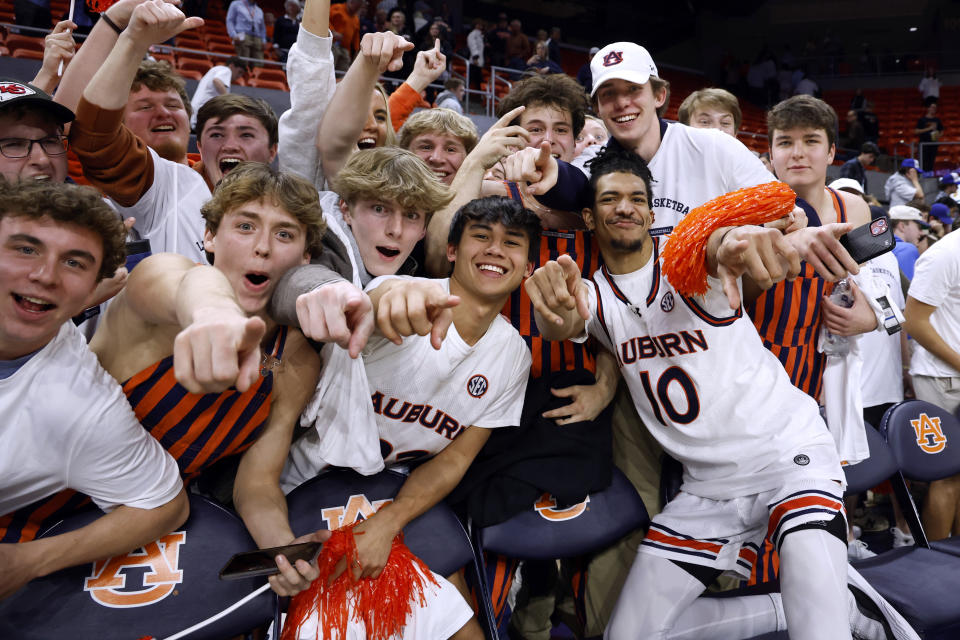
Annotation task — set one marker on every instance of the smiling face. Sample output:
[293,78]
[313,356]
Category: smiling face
[547,123]
[629,110]
[491,260]
[442,152]
[385,233]
[712,118]
[621,216]
[801,156]
[374,132]
[37,165]
[255,244]
[160,120]
[224,144]
[48,270]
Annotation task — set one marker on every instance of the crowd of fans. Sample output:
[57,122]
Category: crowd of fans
[358,283]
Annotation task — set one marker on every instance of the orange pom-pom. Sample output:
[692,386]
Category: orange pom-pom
[382,604]
[100,6]
[685,255]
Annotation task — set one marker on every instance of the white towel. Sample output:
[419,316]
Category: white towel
[344,432]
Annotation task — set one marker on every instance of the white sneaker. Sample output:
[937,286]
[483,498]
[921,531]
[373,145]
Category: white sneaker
[858,550]
[901,539]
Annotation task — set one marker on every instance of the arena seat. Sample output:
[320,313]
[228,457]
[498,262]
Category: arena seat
[342,496]
[159,590]
[267,84]
[909,578]
[28,54]
[193,64]
[546,531]
[925,441]
[16,42]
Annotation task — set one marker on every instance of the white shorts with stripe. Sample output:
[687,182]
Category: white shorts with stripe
[727,534]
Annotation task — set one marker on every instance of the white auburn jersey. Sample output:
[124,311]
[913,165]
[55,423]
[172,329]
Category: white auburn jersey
[707,389]
[424,398]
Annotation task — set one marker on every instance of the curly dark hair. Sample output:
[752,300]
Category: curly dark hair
[555,90]
[620,160]
[69,204]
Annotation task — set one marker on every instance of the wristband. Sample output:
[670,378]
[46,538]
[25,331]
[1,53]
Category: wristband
[113,25]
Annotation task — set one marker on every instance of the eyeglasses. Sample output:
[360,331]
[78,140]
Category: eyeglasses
[14,148]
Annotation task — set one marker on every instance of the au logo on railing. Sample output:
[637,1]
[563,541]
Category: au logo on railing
[109,584]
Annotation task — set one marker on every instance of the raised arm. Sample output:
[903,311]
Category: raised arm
[312,84]
[428,66]
[151,22]
[58,50]
[218,346]
[88,59]
[348,111]
[499,141]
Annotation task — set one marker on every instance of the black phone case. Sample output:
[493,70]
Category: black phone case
[260,562]
[869,241]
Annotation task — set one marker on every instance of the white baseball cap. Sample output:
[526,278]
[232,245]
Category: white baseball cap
[905,212]
[624,61]
[846,183]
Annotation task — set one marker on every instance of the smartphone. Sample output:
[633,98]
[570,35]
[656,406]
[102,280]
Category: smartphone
[869,241]
[250,564]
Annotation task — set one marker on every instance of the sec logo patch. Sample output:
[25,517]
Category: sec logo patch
[477,386]
[666,302]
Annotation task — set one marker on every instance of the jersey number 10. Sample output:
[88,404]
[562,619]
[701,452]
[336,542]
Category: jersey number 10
[678,375]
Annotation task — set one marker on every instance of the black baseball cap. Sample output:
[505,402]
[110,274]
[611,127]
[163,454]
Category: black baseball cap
[13,91]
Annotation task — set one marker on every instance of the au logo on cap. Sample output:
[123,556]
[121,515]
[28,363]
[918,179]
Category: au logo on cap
[612,58]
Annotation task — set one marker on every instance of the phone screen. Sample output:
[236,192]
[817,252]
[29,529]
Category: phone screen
[261,562]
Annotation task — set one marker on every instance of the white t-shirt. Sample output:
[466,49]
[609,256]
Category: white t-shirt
[67,425]
[690,167]
[936,281]
[168,214]
[693,166]
[706,388]
[424,398]
[881,378]
[206,89]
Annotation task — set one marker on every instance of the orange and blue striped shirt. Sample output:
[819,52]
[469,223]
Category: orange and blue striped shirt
[787,316]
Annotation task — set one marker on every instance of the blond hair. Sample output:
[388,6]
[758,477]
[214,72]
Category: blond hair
[719,99]
[254,182]
[443,121]
[391,134]
[391,174]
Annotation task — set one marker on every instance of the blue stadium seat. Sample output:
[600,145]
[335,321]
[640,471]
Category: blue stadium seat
[544,532]
[917,581]
[163,588]
[925,441]
[342,497]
